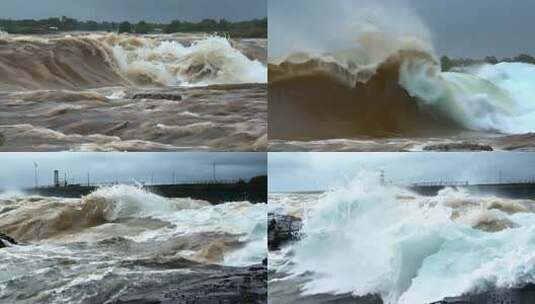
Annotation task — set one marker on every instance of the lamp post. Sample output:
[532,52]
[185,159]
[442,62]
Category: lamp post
[36,183]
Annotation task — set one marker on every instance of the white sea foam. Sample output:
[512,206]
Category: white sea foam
[212,60]
[364,239]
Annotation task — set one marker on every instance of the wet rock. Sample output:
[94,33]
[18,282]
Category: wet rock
[1,139]
[525,294]
[458,147]
[203,284]
[6,241]
[166,96]
[246,286]
[282,229]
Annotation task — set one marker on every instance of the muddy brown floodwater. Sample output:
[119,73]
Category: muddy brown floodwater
[108,92]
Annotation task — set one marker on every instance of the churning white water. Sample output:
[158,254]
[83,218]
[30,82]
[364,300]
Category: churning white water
[367,238]
[484,98]
[212,60]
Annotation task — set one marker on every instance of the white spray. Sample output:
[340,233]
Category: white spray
[372,239]
[360,36]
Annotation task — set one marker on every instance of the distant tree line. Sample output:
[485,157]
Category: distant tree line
[254,28]
[448,63]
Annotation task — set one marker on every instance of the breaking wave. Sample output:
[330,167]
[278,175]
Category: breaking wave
[128,211]
[368,238]
[71,62]
[91,249]
[390,83]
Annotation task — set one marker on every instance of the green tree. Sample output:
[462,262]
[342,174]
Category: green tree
[125,27]
[446,63]
[91,25]
[173,27]
[143,27]
[524,58]
[68,24]
[224,24]
[491,59]
[209,24]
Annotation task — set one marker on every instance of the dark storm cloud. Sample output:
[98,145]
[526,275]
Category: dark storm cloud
[319,171]
[459,28]
[135,10]
[17,169]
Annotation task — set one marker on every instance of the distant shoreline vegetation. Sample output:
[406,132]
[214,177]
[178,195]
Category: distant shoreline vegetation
[256,28]
[449,63]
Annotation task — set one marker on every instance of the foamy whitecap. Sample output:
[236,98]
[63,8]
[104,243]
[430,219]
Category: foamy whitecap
[212,60]
[363,239]
[118,60]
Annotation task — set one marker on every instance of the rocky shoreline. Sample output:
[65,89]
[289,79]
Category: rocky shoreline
[207,284]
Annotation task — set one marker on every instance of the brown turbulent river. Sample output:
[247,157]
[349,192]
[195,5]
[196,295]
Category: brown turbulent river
[109,92]
[121,244]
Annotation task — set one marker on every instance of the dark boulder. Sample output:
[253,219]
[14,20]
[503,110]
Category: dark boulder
[458,147]
[248,285]
[202,284]
[6,241]
[166,96]
[524,294]
[282,229]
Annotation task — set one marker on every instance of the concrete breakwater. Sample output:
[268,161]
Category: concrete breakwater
[517,190]
[254,191]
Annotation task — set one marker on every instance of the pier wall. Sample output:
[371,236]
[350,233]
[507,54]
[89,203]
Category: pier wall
[512,190]
[213,193]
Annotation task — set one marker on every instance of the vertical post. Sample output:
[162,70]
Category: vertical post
[88,182]
[152,178]
[36,182]
[56,178]
[174,177]
[213,172]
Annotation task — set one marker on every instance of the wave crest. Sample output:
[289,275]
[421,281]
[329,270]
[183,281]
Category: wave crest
[106,60]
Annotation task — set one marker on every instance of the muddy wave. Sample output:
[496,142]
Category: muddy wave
[74,62]
[38,218]
[331,101]
[122,244]
[383,78]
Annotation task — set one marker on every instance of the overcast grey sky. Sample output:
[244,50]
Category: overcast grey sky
[320,171]
[135,10]
[459,28]
[479,27]
[17,169]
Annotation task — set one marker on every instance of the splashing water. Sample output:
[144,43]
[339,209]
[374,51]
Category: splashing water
[212,60]
[377,56]
[367,238]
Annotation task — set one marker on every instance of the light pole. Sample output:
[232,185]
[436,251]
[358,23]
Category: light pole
[36,183]
[213,172]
